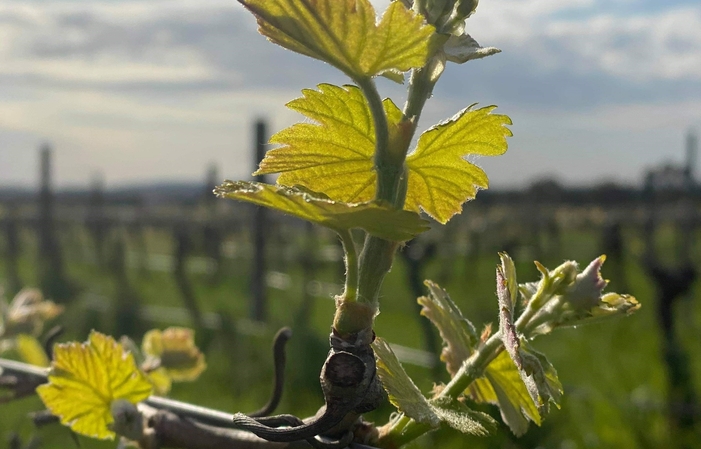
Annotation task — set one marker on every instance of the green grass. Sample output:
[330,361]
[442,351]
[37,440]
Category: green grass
[615,384]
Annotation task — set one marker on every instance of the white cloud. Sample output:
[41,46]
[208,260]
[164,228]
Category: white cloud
[158,89]
[641,47]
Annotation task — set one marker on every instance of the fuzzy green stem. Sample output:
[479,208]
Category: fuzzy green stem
[405,429]
[377,254]
[388,165]
[420,90]
[351,259]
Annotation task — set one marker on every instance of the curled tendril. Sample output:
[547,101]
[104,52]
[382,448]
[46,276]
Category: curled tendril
[279,342]
[350,387]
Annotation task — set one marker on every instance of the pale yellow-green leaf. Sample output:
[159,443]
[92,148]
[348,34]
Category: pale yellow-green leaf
[161,381]
[345,34]
[334,156]
[402,391]
[458,334]
[31,350]
[174,351]
[440,179]
[502,385]
[379,220]
[84,381]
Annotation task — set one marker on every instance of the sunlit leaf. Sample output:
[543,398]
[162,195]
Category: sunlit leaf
[458,334]
[381,221]
[173,350]
[161,381]
[30,350]
[502,386]
[345,34]
[335,156]
[84,381]
[440,179]
[402,391]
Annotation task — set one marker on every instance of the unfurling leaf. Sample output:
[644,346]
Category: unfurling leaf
[507,295]
[402,391]
[458,334]
[543,381]
[461,418]
[408,399]
[174,351]
[335,156]
[27,313]
[531,367]
[565,297]
[344,33]
[440,179]
[377,219]
[463,48]
[85,380]
[502,386]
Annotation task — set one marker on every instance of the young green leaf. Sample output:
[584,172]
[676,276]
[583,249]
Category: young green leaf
[531,367]
[440,179]
[344,34]
[544,384]
[408,399]
[463,48]
[377,219]
[27,313]
[31,350]
[402,391]
[461,418]
[458,334]
[502,386]
[85,380]
[507,295]
[174,351]
[334,157]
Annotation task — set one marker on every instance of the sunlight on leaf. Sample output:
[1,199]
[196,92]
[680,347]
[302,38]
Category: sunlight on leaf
[378,220]
[345,34]
[440,179]
[335,156]
[174,351]
[84,381]
[31,351]
[502,386]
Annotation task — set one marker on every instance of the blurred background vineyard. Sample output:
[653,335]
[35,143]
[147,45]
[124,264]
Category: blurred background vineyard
[127,260]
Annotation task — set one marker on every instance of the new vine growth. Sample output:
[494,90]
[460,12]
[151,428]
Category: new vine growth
[351,166]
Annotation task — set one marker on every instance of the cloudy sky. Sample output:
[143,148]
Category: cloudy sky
[152,90]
